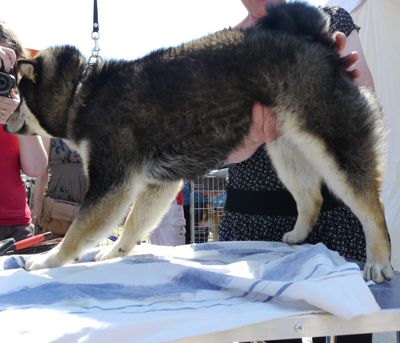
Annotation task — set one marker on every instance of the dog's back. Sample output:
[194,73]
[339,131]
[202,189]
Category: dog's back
[205,89]
[183,109]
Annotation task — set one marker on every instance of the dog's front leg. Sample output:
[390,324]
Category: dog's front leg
[149,207]
[96,218]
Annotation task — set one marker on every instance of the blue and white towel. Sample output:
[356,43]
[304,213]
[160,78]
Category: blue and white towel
[167,293]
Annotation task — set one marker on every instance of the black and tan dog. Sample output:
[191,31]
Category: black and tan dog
[142,126]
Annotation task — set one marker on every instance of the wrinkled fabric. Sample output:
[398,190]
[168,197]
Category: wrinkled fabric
[166,293]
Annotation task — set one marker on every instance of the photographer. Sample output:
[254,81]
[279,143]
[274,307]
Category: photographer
[18,153]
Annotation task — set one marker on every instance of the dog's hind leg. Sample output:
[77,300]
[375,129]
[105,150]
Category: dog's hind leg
[302,181]
[366,205]
[98,216]
[358,188]
[149,207]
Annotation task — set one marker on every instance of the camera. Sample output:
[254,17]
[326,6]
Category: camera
[7,82]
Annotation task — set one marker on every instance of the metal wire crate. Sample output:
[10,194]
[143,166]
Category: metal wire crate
[206,206]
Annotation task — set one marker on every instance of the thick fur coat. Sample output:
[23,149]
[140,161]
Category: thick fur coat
[142,126]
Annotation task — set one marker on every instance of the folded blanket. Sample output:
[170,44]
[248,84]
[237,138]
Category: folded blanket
[165,293]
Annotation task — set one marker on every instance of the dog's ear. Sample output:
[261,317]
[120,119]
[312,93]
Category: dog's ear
[27,69]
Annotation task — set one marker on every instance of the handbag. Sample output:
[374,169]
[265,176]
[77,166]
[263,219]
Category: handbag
[57,215]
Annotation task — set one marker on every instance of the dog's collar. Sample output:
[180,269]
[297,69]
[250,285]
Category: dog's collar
[94,59]
[84,76]
[73,101]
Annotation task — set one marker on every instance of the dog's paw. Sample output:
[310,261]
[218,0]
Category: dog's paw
[113,252]
[294,237]
[378,272]
[50,259]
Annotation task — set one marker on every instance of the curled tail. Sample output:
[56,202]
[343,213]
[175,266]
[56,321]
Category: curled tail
[300,19]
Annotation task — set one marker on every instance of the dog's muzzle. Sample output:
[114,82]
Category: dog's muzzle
[16,125]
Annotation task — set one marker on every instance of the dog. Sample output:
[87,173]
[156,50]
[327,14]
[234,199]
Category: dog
[210,220]
[142,126]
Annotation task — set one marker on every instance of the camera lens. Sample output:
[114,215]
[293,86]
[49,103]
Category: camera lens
[7,82]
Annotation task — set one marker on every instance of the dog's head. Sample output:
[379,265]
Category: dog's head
[46,85]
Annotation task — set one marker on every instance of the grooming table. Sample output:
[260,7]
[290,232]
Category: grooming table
[209,292]
[320,324]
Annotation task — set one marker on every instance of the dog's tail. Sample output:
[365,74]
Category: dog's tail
[300,19]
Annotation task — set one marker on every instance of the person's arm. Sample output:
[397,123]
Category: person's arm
[33,156]
[40,185]
[263,129]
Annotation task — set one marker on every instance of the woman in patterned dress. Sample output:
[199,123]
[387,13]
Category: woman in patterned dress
[258,206]
[64,179]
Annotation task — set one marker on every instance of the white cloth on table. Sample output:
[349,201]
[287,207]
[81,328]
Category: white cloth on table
[165,293]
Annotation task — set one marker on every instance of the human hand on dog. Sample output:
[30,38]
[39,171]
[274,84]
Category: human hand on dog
[264,128]
[348,60]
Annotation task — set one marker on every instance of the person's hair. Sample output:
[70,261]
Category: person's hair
[10,40]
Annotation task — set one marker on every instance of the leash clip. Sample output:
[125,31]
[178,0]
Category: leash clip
[95,55]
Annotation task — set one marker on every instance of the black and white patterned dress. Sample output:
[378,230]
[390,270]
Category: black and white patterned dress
[254,182]
[67,179]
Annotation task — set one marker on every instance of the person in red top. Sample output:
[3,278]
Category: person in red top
[18,154]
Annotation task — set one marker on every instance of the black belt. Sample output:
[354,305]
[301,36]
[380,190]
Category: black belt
[272,203]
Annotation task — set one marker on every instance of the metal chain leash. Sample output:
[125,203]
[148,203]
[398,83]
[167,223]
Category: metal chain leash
[95,55]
